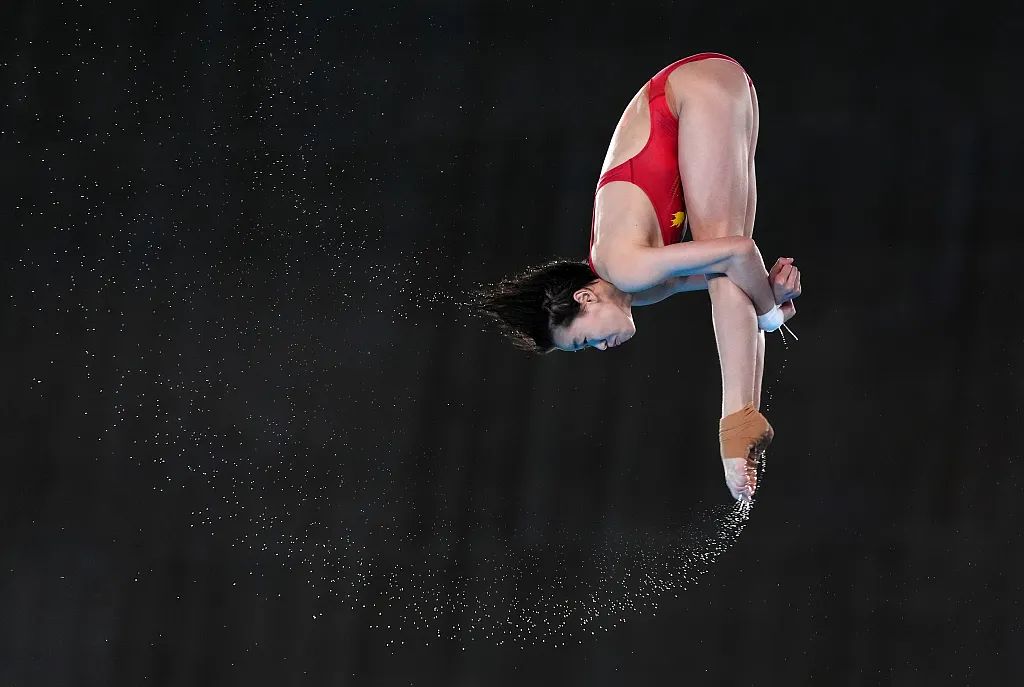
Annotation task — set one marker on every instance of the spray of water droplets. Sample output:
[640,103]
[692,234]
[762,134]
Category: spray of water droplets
[555,591]
[220,327]
[518,588]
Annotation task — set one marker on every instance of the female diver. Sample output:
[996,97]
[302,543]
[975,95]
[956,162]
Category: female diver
[682,155]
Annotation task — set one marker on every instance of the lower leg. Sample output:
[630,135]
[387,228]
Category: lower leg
[758,370]
[737,337]
[741,355]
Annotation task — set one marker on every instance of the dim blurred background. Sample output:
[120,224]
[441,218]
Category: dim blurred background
[249,423]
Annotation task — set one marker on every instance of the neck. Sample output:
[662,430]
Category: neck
[616,295]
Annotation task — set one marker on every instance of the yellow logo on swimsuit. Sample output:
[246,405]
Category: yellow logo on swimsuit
[677,218]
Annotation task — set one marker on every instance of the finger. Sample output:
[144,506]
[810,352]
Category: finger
[781,262]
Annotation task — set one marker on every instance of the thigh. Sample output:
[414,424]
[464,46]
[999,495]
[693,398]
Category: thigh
[715,147]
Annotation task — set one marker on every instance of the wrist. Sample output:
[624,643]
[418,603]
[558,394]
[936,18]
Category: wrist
[771,320]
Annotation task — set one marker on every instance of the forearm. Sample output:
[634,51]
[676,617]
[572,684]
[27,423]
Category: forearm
[747,271]
[635,269]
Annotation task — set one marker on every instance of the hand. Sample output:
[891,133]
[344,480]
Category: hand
[785,280]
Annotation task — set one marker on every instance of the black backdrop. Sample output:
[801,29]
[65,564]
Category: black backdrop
[236,239]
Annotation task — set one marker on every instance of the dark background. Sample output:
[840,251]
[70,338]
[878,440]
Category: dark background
[236,241]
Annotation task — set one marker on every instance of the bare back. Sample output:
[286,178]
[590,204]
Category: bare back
[622,212]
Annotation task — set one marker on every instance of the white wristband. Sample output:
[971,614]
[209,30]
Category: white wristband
[771,320]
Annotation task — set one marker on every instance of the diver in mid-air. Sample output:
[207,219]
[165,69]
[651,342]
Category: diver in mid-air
[681,156]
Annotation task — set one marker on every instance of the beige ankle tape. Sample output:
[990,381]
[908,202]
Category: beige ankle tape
[738,432]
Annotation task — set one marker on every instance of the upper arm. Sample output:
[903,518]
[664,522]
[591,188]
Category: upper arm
[642,267]
[656,294]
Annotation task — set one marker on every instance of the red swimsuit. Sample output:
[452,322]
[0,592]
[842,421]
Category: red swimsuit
[655,169]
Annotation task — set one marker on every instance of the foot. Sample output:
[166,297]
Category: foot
[740,477]
[744,436]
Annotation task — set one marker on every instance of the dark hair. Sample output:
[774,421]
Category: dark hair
[528,305]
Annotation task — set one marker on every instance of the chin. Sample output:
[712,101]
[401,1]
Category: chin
[623,338]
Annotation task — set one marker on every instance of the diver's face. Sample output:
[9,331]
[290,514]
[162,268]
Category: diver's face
[605,321]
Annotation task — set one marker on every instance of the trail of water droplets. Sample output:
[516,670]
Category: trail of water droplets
[602,581]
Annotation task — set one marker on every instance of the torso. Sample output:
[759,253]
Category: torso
[634,127]
[621,197]
[624,214]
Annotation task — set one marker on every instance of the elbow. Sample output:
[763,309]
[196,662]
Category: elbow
[745,247]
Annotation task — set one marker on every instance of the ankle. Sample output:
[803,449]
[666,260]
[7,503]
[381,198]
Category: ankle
[736,405]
